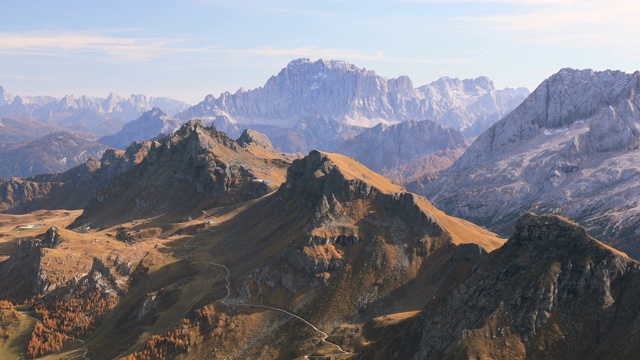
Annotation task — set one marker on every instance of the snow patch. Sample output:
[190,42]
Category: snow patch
[555,131]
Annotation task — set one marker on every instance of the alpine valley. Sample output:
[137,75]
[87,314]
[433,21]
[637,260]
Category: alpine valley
[276,223]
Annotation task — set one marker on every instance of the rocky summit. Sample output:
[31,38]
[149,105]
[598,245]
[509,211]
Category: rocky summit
[190,168]
[551,291]
[569,148]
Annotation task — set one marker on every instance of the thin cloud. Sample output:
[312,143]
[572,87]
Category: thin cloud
[63,44]
[338,53]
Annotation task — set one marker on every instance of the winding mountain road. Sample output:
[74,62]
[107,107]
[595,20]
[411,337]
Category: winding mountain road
[226,301]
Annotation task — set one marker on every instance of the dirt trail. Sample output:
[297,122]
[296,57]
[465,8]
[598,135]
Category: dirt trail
[226,301]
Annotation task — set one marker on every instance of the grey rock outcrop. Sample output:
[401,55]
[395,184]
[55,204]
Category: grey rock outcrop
[24,270]
[569,149]
[252,137]
[51,238]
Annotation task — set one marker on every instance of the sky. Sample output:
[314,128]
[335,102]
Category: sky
[190,48]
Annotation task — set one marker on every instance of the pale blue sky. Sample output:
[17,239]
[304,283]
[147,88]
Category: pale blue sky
[188,49]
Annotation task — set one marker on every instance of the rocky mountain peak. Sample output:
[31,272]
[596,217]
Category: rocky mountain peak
[19,100]
[328,174]
[252,137]
[572,95]
[191,126]
[110,103]
[51,238]
[532,228]
[155,111]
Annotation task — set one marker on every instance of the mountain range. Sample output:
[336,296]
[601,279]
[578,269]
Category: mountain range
[195,245]
[355,96]
[570,148]
[98,116]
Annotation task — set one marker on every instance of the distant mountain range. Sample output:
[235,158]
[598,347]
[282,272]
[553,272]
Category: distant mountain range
[98,116]
[570,148]
[308,105]
[359,97]
[52,153]
[193,243]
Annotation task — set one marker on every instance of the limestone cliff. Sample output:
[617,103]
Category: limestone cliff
[569,149]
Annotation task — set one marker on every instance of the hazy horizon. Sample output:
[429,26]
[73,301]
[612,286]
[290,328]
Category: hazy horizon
[188,49]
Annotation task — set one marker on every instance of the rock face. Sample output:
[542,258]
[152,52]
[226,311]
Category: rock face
[569,149]
[53,153]
[551,291]
[194,167]
[252,137]
[351,95]
[407,150]
[23,274]
[150,124]
[469,105]
[24,104]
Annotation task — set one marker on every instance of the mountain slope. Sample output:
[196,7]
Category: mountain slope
[406,150]
[14,131]
[354,96]
[337,244]
[551,291]
[53,153]
[569,149]
[71,189]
